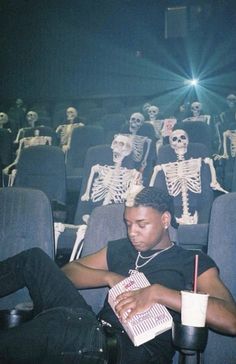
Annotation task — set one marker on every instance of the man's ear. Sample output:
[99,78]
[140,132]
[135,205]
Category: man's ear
[166,218]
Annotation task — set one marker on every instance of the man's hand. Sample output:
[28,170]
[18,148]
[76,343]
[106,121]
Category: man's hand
[132,302]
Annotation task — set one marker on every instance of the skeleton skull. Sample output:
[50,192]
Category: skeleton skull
[31,117]
[19,102]
[121,147]
[196,108]
[3,118]
[231,101]
[179,142]
[135,122]
[146,107]
[153,112]
[71,114]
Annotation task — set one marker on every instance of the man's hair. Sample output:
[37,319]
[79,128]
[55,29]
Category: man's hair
[157,199]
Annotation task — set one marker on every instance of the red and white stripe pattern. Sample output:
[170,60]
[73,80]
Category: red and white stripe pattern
[145,325]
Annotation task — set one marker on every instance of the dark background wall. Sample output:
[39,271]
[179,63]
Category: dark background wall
[69,49]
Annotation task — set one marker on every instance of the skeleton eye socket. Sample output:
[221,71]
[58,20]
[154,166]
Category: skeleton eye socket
[121,144]
[183,137]
[174,139]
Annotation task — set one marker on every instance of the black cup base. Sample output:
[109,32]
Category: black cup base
[189,339]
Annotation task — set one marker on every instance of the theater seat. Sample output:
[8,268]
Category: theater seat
[221,247]
[43,167]
[25,222]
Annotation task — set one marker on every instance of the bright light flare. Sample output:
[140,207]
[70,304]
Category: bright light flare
[194,82]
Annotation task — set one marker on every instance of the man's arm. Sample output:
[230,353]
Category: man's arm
[221,311]
[91,271]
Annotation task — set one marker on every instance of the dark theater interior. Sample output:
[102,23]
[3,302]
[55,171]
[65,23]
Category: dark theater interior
[117,157]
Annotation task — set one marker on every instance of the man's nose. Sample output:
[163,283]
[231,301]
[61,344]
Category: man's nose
[132,230]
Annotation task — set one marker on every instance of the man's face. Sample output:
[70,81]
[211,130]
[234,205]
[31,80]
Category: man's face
[146,227]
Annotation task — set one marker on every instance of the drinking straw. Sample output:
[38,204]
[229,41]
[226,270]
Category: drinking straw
[195,274]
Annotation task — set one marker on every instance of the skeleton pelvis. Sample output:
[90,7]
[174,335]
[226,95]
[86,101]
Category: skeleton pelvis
[187,219]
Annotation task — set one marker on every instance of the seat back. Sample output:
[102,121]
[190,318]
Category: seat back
[105,224]
[25,222]
[201,201]
[43,167]
[198,132]
[81,140]
[112,124]
[233,185]
[6,149]
[222,248]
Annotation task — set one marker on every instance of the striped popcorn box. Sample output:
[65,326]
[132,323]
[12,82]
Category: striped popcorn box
[145,325]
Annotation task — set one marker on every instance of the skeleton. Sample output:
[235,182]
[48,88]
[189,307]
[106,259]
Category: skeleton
[138,144]
[231,101]
[71,114]
[32,118]
[3,119]
[25,143]
[112,182]
[153,111]
[146,107]
[196,108]
[135,122]
[231,135]
[184,175]
[65,130]
[110,186]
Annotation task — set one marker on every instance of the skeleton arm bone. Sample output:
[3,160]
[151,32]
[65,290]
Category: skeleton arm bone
[226,135]
[225,155]
[136,178]
[214,183]
[208,119]
[144,161]
[156,170]
[94,169]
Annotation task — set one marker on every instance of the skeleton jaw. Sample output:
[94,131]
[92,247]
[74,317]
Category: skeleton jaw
[117,158]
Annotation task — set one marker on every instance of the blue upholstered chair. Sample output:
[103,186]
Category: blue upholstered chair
[106,223]
[198,132]
[81,140]
[43,167]
[6,149]
[222,248]
[25,222]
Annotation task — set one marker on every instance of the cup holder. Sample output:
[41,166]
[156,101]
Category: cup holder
[189,337]
[14,317]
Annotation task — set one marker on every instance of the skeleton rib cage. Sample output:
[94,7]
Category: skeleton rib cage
[111,183]
[183,174]
[232,138]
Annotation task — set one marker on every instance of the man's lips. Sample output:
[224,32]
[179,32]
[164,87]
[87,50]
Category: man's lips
[135,243]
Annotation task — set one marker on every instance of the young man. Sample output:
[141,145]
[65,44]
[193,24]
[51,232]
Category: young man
[65,324]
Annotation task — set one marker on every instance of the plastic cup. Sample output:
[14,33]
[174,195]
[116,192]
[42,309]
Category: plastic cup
[193,308]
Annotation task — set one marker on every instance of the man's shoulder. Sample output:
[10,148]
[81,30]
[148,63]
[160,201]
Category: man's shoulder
[122,242]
